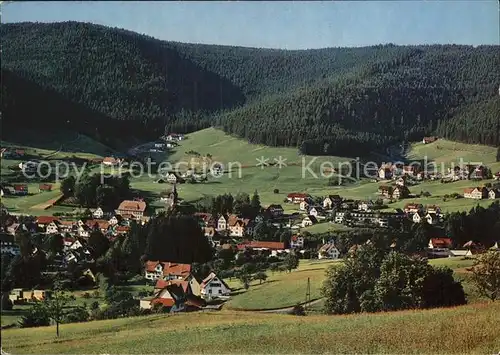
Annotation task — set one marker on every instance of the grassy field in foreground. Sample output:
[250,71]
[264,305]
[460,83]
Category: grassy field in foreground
[467,329]
[288,289]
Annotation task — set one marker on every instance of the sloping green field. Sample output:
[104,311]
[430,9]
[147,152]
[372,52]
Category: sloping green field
[444,151]
[225,148]
[295,177]
[468,329]
[287,289]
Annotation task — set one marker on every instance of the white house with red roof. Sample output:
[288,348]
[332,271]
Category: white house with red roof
[295,197]
[166,270]
[43,221]
[440,243]
[213,286]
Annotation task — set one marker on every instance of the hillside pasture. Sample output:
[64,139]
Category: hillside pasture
[225,148]
[296,178]
[445,151]
[470,329]
[33,203]
[287,289]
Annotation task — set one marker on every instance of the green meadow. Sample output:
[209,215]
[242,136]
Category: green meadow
[471,329]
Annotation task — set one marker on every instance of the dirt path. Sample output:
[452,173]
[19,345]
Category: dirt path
[288,309]
[279,310]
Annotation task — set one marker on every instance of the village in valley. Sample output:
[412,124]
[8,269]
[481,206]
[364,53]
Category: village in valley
[247,237]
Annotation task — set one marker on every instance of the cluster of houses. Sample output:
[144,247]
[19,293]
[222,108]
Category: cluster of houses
[20,189]
[21,296]
[177,289]
[173,177]
[17,189]
[364,215]
[174,137]
[443,247]
[12,153]
[391,171]
[413,173]
[479,193]
[75,233]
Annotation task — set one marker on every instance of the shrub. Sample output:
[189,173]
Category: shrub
[37,316]
[261,276]
[486,274]
[6,302]
[372,281]
[77,315]
[298,310]
[94,305]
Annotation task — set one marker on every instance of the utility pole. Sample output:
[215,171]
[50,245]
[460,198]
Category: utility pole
[308,293]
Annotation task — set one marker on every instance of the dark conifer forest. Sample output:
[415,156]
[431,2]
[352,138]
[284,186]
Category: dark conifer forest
[105,81]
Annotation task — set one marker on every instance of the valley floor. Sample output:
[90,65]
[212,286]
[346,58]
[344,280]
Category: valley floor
[272,182]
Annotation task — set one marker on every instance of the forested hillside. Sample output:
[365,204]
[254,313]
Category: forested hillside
[327,101]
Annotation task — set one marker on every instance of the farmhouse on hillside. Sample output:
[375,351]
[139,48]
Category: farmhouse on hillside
[331,201]
[174,137]
[237,226]
[385,172]
[428,140]
[274,247]
[328,251]
[174,297]
[98,213]
[494,194]
[476,193]
[111,161]
[440,243]
[20,189]
[296,197]
[174,178]
[309,221]
[212,286]
[44,187]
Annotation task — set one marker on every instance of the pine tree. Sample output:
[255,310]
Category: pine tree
[255,203]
